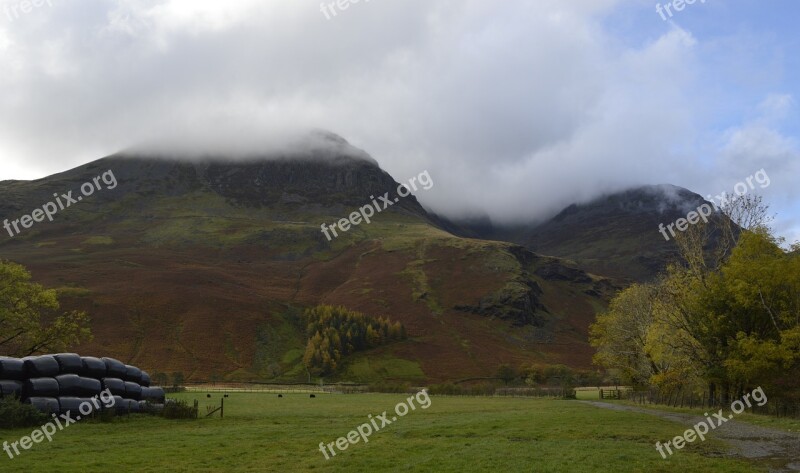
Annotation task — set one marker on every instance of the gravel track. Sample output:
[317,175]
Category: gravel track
[777,449]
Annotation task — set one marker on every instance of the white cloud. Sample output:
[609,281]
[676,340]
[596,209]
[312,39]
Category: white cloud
[776,107]
[516,108]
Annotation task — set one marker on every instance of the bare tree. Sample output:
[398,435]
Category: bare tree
[703,247]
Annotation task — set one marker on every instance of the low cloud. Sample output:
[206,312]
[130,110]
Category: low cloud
[517,109]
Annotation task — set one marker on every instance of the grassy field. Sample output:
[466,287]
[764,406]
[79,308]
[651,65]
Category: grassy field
[261,432]
[788,424]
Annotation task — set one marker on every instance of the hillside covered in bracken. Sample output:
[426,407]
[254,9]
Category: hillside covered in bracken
[206,268]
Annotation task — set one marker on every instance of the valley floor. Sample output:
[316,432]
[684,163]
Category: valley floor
[261,432]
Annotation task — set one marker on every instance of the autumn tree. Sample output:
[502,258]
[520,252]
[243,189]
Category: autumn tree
[706,245]
[335,332]
[30,321]
[620,334]
[160,378]
[728,328]
[506,373]
[177,379]
[760,287]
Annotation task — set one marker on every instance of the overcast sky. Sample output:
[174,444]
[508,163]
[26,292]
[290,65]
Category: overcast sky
[516,108]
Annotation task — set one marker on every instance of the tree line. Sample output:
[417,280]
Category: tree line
[721,321]
[335,332]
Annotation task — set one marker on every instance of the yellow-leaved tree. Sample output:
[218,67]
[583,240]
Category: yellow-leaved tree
[30,321]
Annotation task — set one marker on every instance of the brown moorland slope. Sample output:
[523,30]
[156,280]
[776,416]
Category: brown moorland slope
[205,267]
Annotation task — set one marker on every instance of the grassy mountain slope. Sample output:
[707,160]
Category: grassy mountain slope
[205,268]
[615,235]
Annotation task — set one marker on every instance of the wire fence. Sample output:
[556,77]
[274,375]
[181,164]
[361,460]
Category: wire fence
[272,388]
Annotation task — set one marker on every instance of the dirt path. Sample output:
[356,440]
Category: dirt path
[777,449]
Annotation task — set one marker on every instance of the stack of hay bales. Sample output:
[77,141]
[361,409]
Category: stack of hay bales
[61,383]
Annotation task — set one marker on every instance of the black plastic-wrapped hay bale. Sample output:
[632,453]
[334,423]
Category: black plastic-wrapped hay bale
[115,385]
[133,391]
[73,404]
[115,368]
[93,367]
[12,369]
[69,384]
[118,405]
[44,404]
[128,405]
[157,392]
[96,404]
[146,381]
[73,385]
[151,407]
[41,387]
[134,405]
[11,388]
[41,366]
[154,394]
[133,374]
[69,363]
[90,387]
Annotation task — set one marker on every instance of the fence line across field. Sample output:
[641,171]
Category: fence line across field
[275,389]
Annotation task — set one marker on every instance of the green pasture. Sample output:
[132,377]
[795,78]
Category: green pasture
[262,433]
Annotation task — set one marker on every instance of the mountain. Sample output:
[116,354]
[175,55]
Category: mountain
[616,235]
[204,267]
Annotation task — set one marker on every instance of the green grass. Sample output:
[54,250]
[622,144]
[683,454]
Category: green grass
[99,240]
[415,273]
[261,432]
[366,368]
[587,394]
[783,423]
[282,342]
